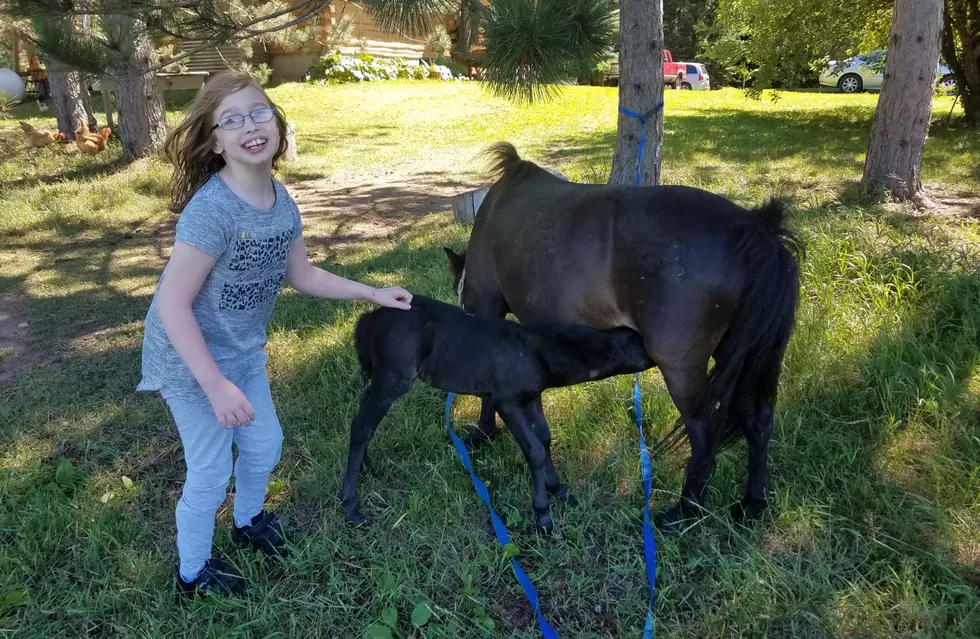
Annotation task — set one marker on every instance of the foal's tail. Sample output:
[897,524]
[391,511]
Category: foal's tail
[362,342]
[750,355]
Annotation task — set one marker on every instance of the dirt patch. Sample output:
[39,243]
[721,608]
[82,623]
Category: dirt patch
[961,206]
[372,207]
[16,355]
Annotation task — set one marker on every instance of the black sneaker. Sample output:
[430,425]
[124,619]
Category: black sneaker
[264,534]
[218,577]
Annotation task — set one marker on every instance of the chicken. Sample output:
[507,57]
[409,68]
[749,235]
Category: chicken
[39,138]
[91,143]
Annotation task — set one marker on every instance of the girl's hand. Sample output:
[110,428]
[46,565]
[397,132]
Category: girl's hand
[396,297]
[229,404]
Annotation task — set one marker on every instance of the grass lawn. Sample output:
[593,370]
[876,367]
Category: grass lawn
[874,529]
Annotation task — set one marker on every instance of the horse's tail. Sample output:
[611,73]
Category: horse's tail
[750,355]
[362,342]
[502,158]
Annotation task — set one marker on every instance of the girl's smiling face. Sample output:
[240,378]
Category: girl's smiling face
[251,143]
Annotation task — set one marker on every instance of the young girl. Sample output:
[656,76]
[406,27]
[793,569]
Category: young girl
[238,238]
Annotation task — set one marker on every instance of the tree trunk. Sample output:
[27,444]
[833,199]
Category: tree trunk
[962,24]
[93,124]
[69,97]
[142,128]
[641,89]
[901,123]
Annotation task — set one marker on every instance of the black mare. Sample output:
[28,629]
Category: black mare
[698,276]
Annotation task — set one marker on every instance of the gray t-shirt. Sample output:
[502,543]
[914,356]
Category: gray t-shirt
[235,302]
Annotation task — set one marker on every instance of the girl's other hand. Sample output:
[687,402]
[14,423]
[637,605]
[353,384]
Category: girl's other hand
[229,404]
[395,297]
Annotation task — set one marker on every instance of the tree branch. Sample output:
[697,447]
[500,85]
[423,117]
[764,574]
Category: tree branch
[244,32]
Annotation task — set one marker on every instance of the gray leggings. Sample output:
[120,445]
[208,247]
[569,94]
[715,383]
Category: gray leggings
[207,453]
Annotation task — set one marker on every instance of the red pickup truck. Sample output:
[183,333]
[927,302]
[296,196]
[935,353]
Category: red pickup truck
[673,71]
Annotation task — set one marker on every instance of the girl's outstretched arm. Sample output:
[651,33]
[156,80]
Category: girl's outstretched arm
[309,279]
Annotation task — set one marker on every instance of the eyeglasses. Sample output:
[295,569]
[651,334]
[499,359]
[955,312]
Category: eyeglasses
[237,121]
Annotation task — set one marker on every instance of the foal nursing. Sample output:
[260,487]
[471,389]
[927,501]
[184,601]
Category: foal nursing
[503,362]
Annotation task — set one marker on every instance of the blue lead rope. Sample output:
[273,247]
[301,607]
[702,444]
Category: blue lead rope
[646,468]
[498,526]
[649,541]
[643,133]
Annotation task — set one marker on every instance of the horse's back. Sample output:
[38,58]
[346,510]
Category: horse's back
[561,251]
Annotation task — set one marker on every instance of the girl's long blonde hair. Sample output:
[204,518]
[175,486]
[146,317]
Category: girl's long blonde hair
[190,145]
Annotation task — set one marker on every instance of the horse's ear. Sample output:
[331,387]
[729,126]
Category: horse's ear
[457,262]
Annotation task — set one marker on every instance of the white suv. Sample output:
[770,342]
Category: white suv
[696,78]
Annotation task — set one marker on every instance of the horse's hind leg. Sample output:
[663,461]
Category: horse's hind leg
[687,386]
[519,423]
[758,424]
[375,403]
[543,433]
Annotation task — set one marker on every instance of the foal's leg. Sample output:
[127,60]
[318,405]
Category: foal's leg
[543,433]
[519,423]
[687,386]
[491,305]
[758,426]
[375,403]
[486,430]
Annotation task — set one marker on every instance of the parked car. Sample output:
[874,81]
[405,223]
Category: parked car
[866,73]
[674,72]
[696,78]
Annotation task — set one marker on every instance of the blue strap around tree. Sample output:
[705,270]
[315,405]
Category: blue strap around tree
[643,133]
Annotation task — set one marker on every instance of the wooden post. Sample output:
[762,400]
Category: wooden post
[16,50]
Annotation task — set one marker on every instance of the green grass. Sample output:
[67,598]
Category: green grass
[875,464]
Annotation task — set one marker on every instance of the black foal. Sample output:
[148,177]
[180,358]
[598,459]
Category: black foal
[506,363]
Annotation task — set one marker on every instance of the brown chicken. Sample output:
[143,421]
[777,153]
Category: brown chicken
[91,143]
[39,138]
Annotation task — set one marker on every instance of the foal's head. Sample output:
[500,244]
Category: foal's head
[457,268]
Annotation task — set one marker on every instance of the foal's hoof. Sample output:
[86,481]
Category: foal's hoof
[478,439]
[673,521]
[356,519]
[545,526]
[746,512]
[561,492]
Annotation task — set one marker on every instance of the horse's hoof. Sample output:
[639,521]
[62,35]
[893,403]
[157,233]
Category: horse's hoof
[748,511]
[672,522]
[358,521]
[355,518]
[545,526]
[478,439]
[561,492]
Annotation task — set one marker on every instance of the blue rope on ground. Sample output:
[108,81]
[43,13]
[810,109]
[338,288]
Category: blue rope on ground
[498,526]
[649,540]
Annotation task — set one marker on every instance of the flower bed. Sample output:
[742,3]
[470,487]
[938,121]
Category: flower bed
[338,68]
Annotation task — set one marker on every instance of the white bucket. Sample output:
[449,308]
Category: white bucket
[467,204]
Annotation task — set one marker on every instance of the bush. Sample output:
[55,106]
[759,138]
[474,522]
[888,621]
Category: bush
[339,68]
[597,75]
[262,73]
